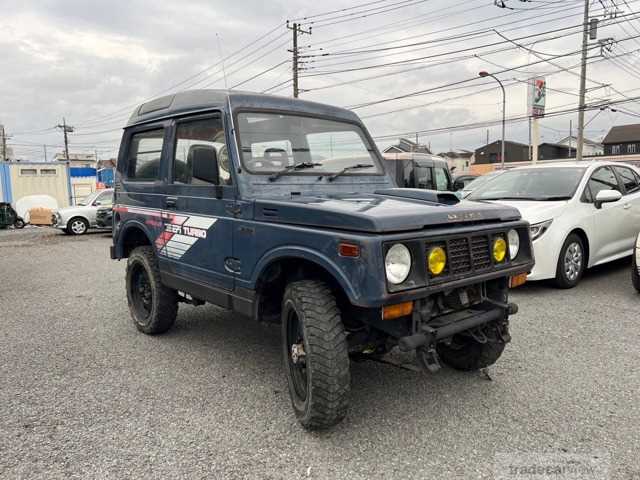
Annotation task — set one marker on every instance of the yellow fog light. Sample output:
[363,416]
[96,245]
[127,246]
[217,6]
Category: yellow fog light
[499,249]
[437,260]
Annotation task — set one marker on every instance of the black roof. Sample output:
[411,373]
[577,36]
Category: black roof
[623,133]
[202,100]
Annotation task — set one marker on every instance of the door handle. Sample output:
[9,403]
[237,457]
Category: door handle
[171,202]
[627,206]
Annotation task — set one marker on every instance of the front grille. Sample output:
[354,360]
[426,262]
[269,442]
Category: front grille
[466,254]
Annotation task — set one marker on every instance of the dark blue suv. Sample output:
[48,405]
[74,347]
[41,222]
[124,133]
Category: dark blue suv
[280,210]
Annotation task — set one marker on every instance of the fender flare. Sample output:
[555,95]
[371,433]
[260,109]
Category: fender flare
[122,233]
[294,251]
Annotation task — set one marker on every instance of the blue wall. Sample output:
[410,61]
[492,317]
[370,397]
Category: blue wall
[5,182]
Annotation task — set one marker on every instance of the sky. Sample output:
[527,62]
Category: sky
[91,63]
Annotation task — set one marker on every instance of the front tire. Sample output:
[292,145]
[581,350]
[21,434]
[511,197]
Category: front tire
[571,263]
[635,274]
[153,306]
[77,226]
[467,354]
[315,353]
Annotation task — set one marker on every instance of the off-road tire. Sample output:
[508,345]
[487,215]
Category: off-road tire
[328,377]
[164,300]
[635,275]
[561,280]
[19,223]
[467,354]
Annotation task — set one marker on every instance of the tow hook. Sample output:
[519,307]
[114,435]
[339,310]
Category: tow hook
[428,358]
[297,353]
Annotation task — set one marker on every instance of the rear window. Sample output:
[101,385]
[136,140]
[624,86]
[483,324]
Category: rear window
[145,151]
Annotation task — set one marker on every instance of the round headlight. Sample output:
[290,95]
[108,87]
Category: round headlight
[397,263]
[499,249]
[436,260]
[514,243]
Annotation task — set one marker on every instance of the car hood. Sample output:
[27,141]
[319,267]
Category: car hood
[74,210]
[377,212]
[536,212]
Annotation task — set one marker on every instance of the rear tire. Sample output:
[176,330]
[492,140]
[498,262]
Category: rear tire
[315,354]
[19,223]
[153,306]
[571,262]
[635,274]
[467,354]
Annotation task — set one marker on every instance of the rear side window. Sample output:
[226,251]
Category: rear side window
[442,180]
[200,140]
[629,179]
[145,152]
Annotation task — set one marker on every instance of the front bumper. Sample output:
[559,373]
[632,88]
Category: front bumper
[546,250]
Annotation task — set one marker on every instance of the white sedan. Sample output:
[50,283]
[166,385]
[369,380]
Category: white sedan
[582,214]
[76,220]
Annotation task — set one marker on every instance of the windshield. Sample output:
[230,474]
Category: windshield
[531,184]
[271,142]
[88,200]
[480,181]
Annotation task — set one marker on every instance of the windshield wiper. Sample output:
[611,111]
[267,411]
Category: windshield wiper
[346,169]
[289,168]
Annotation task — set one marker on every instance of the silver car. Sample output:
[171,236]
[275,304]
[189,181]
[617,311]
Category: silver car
[78,219]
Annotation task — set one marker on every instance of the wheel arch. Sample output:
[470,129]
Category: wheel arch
[279,267]
[585,241]
[133,234]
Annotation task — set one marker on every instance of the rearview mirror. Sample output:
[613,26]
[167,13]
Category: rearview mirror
[607,196]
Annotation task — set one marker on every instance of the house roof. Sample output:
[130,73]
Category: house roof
[406,145]
[574,140]
[507,142]
[557,145]
[623,133]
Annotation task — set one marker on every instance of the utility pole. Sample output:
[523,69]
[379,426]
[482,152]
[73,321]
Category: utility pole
[570,135]
[66,129]
[45,152]
[4,143]
[583,81]
[296,29]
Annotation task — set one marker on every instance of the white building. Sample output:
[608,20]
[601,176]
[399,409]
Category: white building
[78,159]
[589,147]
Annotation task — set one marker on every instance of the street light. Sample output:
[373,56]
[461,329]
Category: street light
[484,74]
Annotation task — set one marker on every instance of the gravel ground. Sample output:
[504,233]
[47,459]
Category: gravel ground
[84,395]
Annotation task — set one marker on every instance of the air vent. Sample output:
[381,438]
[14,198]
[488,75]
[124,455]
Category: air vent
[270,212]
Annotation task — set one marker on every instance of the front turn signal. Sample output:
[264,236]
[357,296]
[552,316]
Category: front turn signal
[391,312]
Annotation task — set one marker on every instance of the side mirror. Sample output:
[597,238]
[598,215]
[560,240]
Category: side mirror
[606,196]
[458,185]
[204,164]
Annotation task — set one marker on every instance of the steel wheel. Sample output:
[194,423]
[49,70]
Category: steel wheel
[141,292]
[297,358]
[573,258]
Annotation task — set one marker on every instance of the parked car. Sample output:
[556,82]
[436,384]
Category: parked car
[104,217]
[9,217]
[418,170]
[582,214]
[635,273]
[300,224]
[479,182]
[77,220]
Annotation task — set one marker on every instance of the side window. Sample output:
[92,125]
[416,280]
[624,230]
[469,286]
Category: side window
[628,178]
[602,179]
[442,181]
[145,151]
[201,142]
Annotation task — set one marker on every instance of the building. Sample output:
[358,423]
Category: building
[551,151]
[490,153]
[407,146]
[21,179]
[590,148]
[80,160]
[459,160]
[622,140]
